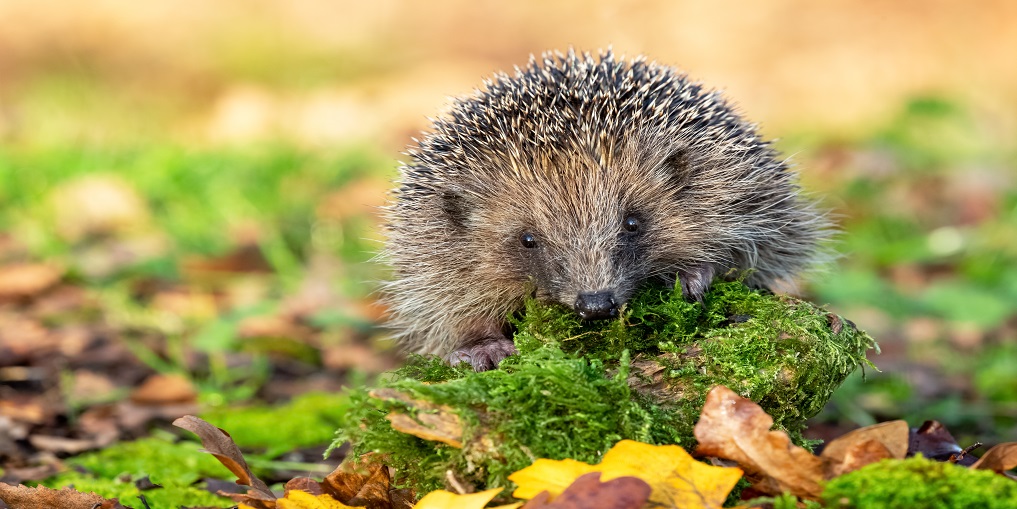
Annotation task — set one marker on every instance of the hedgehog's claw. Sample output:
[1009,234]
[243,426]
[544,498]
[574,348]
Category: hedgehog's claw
[485,355]
[696,281]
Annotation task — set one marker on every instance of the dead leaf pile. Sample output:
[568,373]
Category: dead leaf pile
[72,374]
[630,476]
[736,429]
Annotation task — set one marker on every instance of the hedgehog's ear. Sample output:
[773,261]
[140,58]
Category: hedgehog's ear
[677,168]
[455,207]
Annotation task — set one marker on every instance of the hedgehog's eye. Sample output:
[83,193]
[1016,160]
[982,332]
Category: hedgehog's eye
[631,224]
[528,240]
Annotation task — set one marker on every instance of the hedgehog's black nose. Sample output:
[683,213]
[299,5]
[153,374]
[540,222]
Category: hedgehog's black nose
[596,306]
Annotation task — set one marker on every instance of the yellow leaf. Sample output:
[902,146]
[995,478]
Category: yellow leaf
[297,499]
[442,499]
[550,475]
[677,479]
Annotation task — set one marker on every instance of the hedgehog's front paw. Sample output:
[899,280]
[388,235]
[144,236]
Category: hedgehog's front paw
[695,281]
[485,355]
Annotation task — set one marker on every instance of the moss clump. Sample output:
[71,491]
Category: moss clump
[169,495]
[920,482]
[578,387]
[309,420]
[112,471]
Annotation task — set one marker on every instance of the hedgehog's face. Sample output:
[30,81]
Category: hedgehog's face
[590,265]
[586,241]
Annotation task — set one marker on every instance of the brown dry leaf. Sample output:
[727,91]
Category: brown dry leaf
[272,326]
[162,389]
[245,258]
[893,434]
[303,484]
[218,443]
[355,355]
[367,484]
[735,428]
[859,455]
[26,280]
[999,459]
[25,409]
[66,445]
[87,386]
[860,447]
[24,497]
[433,422]
[588,492]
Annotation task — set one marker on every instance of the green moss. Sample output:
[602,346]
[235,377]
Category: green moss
[170,495]
[577,387]
[182,462]
[920,483]
[111,472]
[309,420]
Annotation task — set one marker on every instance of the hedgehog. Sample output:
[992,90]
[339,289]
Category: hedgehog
[576,180]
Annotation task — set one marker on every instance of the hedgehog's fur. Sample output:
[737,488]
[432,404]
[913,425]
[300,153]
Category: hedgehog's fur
[567,150]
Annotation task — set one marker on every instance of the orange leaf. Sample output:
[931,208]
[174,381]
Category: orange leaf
[735,428]
[999,459]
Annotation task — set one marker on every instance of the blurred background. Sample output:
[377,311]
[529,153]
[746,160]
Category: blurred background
[188,189]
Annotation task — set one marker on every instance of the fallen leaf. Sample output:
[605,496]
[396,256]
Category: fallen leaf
[588,492]
[25,410]
[162,389]
[24,497]
[442,499]
[26,280]
[999,459]
[297,499]
[675,478]
[859,455]
[366,484]
[304,484]
[433,422]
[933,441]
[218,443]
[735,428]
[893,434]
[39,473]
[62,444]
[862,446]
[245,258]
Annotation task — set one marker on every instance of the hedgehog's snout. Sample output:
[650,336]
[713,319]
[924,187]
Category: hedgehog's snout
[596,305]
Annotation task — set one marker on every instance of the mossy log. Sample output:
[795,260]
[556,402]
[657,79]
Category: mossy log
[576,387]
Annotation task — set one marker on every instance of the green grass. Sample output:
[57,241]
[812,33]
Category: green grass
[194,196]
